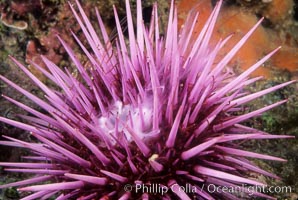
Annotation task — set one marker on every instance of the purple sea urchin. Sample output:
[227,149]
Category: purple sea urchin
[144,120]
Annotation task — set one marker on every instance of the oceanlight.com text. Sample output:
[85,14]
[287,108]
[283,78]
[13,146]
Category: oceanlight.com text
[248,189]
[210,188]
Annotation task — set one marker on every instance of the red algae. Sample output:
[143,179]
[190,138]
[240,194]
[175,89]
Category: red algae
[23,7]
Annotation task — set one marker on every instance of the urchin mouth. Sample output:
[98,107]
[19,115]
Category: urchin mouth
[138,118]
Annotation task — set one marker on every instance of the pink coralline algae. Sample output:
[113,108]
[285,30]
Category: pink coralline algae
[149,110]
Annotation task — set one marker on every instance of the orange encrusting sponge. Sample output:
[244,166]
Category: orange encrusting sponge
[239,21]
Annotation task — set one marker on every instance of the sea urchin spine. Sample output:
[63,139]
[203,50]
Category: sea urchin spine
[160,111]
